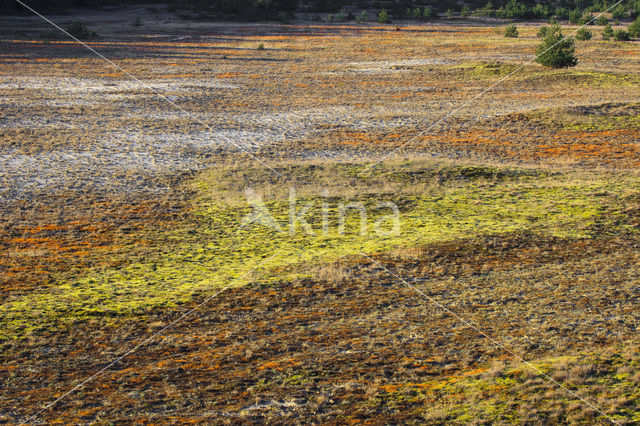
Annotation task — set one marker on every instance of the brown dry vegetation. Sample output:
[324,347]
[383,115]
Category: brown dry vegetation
[96,169]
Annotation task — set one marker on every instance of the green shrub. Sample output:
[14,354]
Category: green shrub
[543,31]
[427,13]
[575,16]
[341,16]
[413,13]
[621,35]
[511,31]
[556,51]
[364,16]
[620,12]
[540,11]
[261,46]
[602,21]
[514,10]
[449,13]
[584,34]
[465,11]
[383,17]
[607,32]
[487,10]
[634,29]
[586,19]
[80,31]
[561,13]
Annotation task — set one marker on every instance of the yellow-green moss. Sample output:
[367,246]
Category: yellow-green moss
[213,250]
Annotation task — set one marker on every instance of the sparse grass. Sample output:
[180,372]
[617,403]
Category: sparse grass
[493,395]
[596,117]
[564,77]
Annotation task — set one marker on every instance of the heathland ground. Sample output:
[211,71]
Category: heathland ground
[509,295]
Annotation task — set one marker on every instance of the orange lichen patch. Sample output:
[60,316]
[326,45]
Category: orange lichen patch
[477,141]
[355,138]
[474,372]
[279,365]
[38,250]
[472,138]
[434,384]
[624,52]
[237,75]
[572,134]
[605,150]
[175,75]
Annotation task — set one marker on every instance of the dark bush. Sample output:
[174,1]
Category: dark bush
[619,12]
[80,31]
[607,32]
[383,17]
[556,51]
[561,13]
[584,34]
[621,35]
[575,16]
[602,21]
[634,29]
[511,31]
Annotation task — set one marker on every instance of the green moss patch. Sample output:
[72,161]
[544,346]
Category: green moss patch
[214,248]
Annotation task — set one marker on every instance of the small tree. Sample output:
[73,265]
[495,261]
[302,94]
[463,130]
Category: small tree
[584,34]
[620,12]
[341,16]
[602,21]
[607,32]
[634,29]
[487,10]
[414,13]
[80,31]
[561,13]
[556,50]
[545,30]
[575,16]
[621,35]
[511,31]
[383,17]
